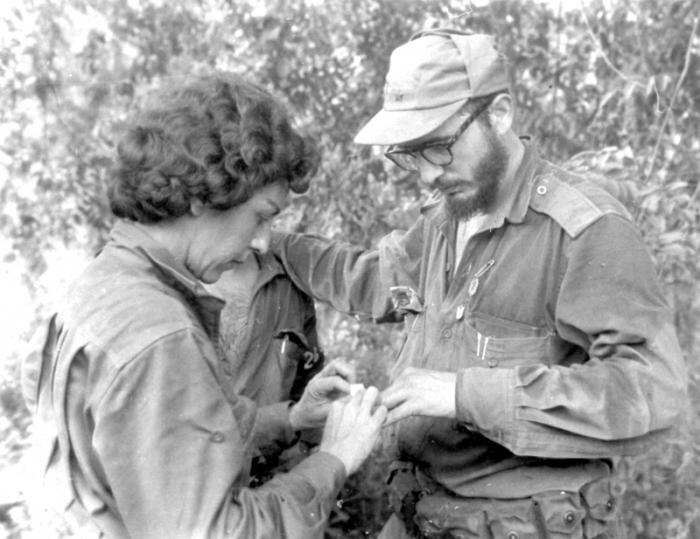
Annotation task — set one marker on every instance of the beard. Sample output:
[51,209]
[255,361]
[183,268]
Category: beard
[488,173]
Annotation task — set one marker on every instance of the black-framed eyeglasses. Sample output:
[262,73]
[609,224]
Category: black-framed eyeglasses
[438,152]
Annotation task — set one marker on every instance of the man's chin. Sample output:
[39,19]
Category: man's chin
[461,207]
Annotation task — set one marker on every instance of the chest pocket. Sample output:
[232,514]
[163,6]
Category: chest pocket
[495,342]
[504,352]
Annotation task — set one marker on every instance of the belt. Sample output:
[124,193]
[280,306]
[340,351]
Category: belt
[428,510]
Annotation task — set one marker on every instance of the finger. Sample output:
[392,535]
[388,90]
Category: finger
[398,413]
[368,400]
[354,388]
[377,446]
[355,400]
[341,368]
[325,387]
[379,416]
[393,396]
[334,417]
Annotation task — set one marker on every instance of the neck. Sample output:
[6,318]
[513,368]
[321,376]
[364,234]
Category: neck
[170,234]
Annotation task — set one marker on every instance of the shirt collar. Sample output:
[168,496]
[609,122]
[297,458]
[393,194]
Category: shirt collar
[513,199]
[173,272]
[270,267]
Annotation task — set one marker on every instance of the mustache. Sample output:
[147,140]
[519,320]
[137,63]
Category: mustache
[447,184]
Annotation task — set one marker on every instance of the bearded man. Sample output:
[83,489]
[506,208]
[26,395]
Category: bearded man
[539,345]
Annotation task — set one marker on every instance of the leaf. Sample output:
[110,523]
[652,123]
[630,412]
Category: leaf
[673,236]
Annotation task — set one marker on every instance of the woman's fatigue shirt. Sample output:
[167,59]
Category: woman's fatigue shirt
[554,321]
[140,429]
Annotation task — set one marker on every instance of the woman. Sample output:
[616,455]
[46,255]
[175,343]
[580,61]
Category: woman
[141,428]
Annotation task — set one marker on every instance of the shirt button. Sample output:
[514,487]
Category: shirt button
[493,363]
[541,189]
[217,437]
[446,333]
[569,518]
[227,369]
[512,535]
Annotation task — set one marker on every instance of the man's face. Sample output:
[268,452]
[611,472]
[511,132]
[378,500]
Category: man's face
[471,181]
[466,197]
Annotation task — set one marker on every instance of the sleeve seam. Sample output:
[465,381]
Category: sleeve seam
[146,348]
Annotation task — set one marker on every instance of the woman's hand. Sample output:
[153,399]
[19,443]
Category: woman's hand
[330,384]
[353,428]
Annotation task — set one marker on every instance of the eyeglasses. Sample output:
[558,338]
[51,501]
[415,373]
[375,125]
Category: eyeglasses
[437,152]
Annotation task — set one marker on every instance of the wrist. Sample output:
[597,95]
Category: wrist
[295,417]
[337,453]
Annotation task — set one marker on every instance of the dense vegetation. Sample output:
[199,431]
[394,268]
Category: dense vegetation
[613,86]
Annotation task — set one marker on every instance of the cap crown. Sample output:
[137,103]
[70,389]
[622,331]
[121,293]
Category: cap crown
[439,67]
[429,79]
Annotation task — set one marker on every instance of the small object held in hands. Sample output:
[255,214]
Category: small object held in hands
[354,388]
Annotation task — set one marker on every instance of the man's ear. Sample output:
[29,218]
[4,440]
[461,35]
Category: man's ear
[501,113]
[196,207]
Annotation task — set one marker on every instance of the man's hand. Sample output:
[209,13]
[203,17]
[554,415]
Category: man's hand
[352,428]
[331,383]
[421,392]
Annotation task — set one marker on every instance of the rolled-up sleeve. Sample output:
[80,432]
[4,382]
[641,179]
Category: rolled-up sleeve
[351,279]
[631,389]
[176,453]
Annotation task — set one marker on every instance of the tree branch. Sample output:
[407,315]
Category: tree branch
[684,73]
[635,82]
[599,47]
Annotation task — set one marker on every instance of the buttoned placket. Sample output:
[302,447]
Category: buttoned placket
[464,287]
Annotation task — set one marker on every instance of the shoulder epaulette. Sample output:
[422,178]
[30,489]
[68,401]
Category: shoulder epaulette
[574,202]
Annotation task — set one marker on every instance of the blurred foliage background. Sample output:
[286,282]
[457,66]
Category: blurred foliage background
[610,86]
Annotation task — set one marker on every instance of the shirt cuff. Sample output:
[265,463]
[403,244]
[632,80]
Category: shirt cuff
[484,398]
[272,425]
[325,472]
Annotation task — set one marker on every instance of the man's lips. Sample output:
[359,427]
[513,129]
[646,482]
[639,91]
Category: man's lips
[455,189]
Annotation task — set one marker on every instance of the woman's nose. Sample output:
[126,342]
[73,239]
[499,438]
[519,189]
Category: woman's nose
[261,241]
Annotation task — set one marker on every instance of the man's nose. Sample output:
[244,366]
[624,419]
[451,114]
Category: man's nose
[429,173]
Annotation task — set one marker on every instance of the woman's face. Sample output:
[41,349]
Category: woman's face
[223,239]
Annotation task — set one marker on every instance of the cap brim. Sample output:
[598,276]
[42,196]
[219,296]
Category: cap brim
[401,126]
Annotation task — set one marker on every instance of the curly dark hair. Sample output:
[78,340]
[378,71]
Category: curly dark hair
[218,139]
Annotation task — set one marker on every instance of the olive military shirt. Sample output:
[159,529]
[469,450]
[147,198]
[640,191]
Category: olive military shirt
[138,424]
[554,321]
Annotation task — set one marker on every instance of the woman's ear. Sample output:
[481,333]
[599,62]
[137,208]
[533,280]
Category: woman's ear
[196,207]
[501,113]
